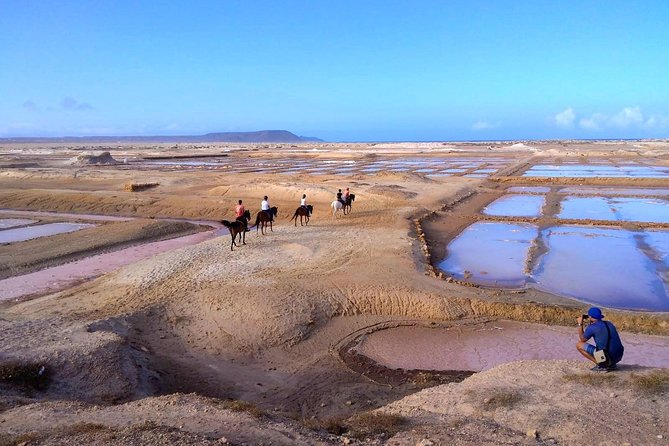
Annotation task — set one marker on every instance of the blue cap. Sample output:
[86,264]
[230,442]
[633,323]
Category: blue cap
[595,313]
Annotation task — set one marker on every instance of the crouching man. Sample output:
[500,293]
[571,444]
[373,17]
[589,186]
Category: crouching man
[605,336]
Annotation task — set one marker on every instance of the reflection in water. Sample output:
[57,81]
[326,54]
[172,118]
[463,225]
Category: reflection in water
[618,208]
[659,241]
[484,346]
[594,170]
[646,210]
[611,267]
[594,208]
[516,206]
[31,232]
[611,191]
[600,266]
[491,253]
[12,222]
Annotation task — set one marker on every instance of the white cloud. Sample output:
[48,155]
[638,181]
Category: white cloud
[565,118]
[595,122]
[627,116]
[171,127]
[485,125]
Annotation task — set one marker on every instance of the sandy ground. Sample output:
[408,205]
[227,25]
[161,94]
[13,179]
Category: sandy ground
[201,345]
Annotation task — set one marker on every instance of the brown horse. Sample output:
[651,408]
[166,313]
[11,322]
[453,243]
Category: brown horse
[265,217]
[303,213]
[235,227]
[347,204]
[246,218]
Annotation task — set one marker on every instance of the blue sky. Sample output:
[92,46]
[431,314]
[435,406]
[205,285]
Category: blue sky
[339,70]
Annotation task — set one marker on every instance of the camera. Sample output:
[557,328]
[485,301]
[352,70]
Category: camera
[585,317]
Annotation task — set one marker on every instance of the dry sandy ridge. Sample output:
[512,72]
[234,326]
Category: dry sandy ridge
[263,324]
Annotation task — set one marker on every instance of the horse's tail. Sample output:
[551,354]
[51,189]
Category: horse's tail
[226,223]
[294,217]
[257,219]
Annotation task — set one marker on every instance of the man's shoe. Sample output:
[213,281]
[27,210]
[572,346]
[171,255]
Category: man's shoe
[599,369]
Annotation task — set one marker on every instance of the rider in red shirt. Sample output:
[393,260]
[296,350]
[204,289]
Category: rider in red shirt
[239,209]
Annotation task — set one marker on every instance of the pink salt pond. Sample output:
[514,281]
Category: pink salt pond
[479,347]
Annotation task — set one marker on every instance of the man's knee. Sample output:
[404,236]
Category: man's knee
[580,346]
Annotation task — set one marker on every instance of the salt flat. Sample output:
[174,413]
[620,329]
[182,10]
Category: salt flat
[170,339]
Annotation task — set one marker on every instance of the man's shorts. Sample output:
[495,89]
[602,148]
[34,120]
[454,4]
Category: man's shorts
[590,349]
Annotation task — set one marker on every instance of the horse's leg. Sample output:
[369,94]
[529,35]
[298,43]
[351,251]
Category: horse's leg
[232,233]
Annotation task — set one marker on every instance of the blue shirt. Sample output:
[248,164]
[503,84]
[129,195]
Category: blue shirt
[598,331]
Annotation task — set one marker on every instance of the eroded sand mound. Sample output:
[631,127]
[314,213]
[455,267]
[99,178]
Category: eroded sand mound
[84,160]
[521,397]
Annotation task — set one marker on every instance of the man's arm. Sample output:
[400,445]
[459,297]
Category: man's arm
[581,332]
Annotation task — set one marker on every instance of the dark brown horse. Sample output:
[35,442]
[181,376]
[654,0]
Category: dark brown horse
[303,213]
[265,217]
[347,204]
[238,227]
[246,218]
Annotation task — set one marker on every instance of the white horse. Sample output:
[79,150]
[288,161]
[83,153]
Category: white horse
[336,207]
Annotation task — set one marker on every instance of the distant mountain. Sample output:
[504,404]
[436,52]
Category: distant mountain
[261,136]
[310,138]
[275,136]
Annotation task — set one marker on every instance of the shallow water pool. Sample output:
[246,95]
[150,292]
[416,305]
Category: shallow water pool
[13,222]
[31,232]
[611,267]
[611,191]
[602,266]
[516,206]
[483,346]
[630,209]
[596,170]
[491,253]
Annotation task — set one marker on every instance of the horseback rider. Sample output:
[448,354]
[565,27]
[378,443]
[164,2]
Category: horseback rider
[339,198]
[347,195]
[264,206]
[303,201]
[239,210]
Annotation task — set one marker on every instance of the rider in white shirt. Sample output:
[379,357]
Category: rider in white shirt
[264,206]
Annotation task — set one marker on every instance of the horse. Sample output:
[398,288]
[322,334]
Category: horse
[347,204]
[238,227]
[303,213]
[245,218]
[264,217]
[336,207]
